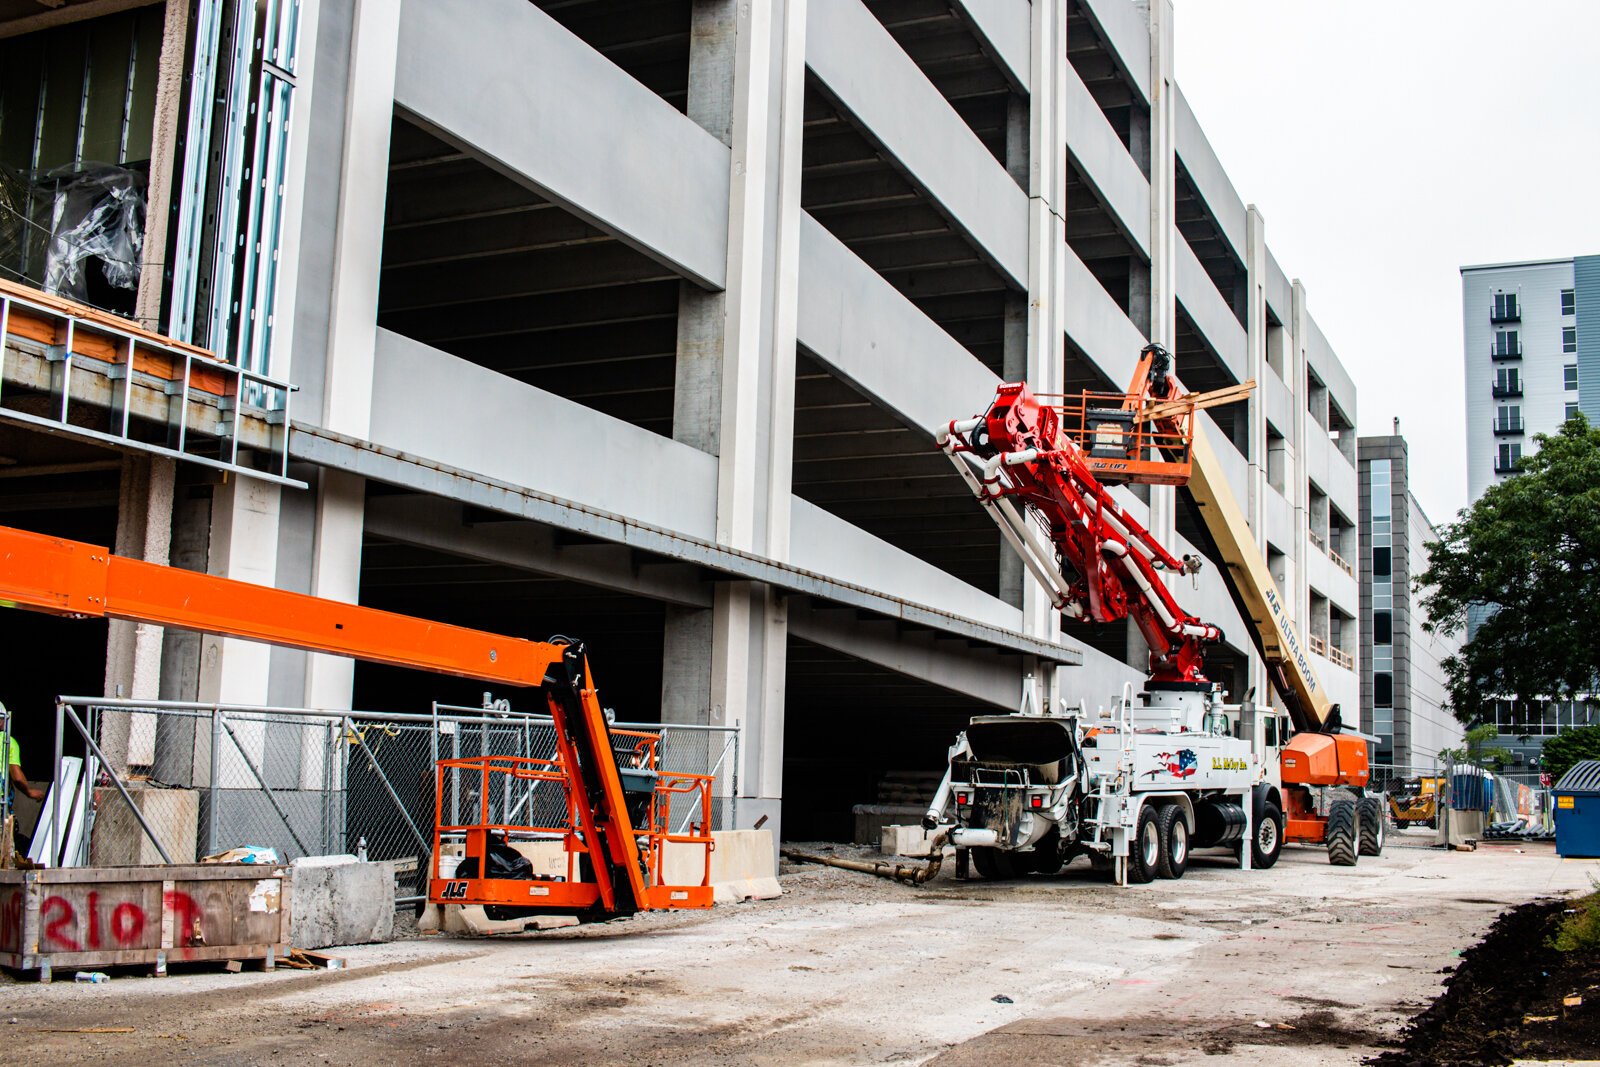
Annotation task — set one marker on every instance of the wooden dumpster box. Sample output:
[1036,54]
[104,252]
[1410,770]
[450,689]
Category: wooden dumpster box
[89,918]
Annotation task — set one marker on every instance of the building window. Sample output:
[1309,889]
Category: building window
[1380,563]
[1569,338]
[1572,411]
[1382,689]
[1506,343]
[1508,418]
[1383,624]
[1507,382]
[1569,375]
[1569,301]
[1505,308]
[1506,458]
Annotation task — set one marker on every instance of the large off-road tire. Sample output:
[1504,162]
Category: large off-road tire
[994,864]
[1343,834]
[1373,825]
[1144,851]
[1174,841]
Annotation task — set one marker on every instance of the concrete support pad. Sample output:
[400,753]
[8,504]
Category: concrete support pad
[339,900]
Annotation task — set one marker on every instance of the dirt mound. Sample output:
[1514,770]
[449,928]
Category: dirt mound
[1504,1000]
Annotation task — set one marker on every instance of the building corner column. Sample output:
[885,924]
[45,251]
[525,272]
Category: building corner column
[726,665]
[1164,235]
[352,336]
[1256,330]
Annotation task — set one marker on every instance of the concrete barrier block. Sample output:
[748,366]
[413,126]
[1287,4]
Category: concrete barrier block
[743,865]
[899,840]
[118,840]
[339,900]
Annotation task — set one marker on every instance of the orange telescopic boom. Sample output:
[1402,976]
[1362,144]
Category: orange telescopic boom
[70,578]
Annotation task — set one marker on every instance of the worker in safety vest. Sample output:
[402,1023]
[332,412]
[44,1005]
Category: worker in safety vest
[13,753]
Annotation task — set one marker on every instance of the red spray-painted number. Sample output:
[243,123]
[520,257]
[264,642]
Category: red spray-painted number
[127,922]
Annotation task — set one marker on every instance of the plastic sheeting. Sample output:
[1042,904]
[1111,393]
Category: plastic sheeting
[96,235]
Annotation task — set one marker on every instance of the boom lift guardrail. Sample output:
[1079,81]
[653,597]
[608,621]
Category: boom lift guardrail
[620,863]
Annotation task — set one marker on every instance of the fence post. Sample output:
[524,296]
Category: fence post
[58,787]
[212,790]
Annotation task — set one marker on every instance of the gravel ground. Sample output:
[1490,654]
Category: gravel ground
[1302,964]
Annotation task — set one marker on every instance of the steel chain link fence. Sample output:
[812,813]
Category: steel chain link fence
[169,782]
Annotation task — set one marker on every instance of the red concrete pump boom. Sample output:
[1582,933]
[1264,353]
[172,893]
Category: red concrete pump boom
[1017,453]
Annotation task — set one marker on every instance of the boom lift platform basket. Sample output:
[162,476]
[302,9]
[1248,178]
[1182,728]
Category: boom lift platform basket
[491,803]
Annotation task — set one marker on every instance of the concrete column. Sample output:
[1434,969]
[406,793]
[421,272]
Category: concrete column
[243,546]
[1256,330]
[133,650]
[735,382]
[171,72]
[1014,343]
[1296,488]
[1163,225]
[352,325]
[1047,251]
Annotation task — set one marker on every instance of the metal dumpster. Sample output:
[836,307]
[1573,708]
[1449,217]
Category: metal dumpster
[1577,810]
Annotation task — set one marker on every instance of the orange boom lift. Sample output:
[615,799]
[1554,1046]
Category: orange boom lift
[614,866]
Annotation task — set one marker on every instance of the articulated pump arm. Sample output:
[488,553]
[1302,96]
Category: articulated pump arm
[1014,455]
[61,577]
[1020,461]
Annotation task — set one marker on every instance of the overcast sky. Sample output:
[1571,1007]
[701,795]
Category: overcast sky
[1388,143]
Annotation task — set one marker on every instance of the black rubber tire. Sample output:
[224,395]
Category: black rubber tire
[993,864]
[1144,851]
[1370,809]
[1343,833]
[1174,841]
[1268,844]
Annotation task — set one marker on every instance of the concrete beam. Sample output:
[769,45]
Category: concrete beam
[1124,28]
[866,70]
[1004,27]
[1206,171]
[880,342]
[980,674]
[616,153]
[1104,162]
[1210,313]
[314,445]
[435,523]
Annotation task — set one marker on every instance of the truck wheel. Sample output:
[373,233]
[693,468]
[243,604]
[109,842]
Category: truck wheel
[1268,845]
[1174,841]
[1343,833]
[1372,828]
[993,864]
[1144,851]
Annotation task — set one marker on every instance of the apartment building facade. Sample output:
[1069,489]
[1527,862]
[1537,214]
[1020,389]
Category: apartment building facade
[1403,696]
[1526,357]
[635,319]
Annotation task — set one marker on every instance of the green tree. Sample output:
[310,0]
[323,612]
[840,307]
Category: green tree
[1563,750]
[1529,553]
[1475,748]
